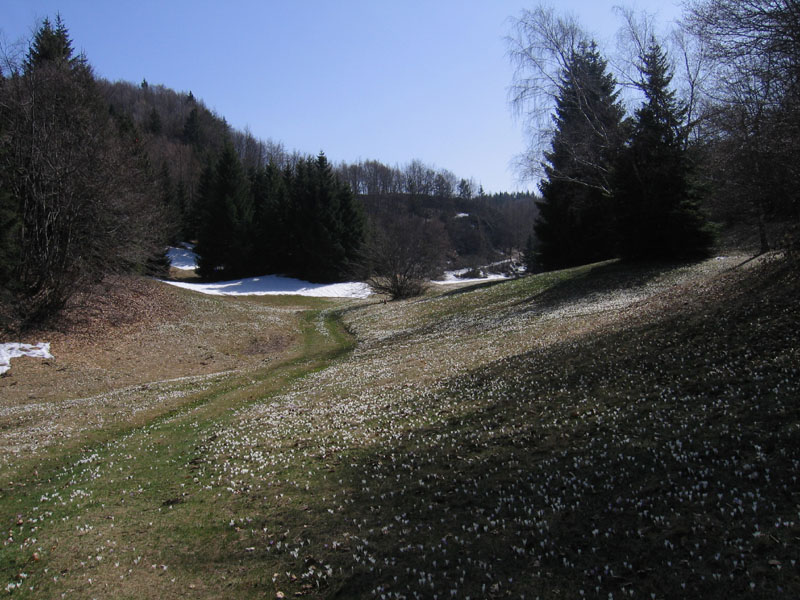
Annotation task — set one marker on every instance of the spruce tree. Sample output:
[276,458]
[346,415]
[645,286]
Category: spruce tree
[575,222]
[10,250]
[339,223]
[80,187]
[182,202]
[51,44]
[353,227]
[324,252]
[224,240]
[171,207]
[154,124]
[270,220]
[322,225]
[658,214]
[191,128]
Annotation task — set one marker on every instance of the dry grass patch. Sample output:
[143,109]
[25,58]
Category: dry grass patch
[135,349]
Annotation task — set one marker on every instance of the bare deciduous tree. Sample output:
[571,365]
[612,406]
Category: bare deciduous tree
[541,48]
[403,256]
[754,117]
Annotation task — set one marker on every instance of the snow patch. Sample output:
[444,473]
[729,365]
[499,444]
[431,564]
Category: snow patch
[276,285]
[455,277]
[15,350]
[461,215]
[182,258]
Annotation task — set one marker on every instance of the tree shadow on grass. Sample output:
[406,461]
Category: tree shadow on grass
[575,469]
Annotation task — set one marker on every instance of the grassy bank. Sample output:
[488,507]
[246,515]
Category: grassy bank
[605,431]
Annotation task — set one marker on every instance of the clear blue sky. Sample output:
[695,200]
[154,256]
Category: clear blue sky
[391,80]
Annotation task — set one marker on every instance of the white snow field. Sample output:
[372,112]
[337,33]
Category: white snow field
[15,350]
[277,285]
[455,277]
[182,258]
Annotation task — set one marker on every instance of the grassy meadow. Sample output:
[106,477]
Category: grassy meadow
[607,431]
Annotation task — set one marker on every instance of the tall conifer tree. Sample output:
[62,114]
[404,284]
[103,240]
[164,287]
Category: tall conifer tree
[575,223]
[82,198]
[225,236]
[658,215]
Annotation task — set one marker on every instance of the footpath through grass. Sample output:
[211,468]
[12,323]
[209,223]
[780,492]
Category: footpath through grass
[600,432]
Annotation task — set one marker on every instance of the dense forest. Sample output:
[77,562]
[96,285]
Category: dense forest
[98,177]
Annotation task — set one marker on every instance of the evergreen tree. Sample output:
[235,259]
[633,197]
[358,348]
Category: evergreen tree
[154,124]
[301,221]
[223,243]
[51,45]
[658,215]
[10,242]
[336,225]
[353,226]
[84,198]
[319,251]
[575,222]
[172,209]
[318,224]
[185,231]
[10,220]
[270,203]
[191,128]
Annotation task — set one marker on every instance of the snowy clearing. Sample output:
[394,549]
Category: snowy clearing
[182,258]
[15,350]
[277,285]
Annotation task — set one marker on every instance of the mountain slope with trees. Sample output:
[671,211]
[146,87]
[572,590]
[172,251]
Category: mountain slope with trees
[97,177]
[78,200]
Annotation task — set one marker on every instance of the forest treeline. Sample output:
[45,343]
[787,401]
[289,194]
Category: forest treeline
[643,177]
[181,135]
[98,177]
[300,220]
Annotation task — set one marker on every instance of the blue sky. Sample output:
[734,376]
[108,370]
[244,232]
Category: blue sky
[387,80]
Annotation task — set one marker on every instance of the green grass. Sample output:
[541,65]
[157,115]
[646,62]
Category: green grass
[515,440]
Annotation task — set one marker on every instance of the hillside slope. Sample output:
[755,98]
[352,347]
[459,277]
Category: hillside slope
[606,431]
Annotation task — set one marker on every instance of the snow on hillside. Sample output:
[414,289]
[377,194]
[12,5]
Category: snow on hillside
[456,277]
[182,258]
[277,285]
[15,350]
